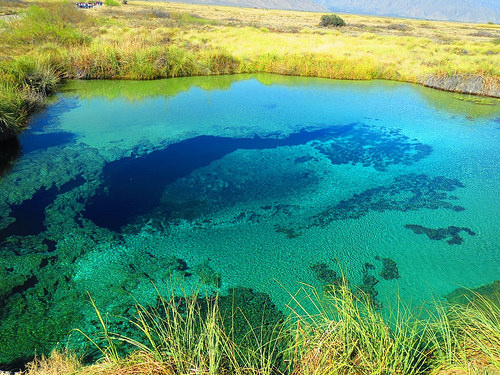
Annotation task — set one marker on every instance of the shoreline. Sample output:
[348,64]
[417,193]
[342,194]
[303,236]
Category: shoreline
[158,40]
[464,84]
[457,83]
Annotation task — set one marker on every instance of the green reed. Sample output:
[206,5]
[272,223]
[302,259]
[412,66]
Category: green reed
[334,332]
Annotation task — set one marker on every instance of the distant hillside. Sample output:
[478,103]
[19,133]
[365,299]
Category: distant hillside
[446,10]
[306,5]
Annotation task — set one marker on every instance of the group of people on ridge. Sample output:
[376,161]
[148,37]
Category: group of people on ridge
[87,5]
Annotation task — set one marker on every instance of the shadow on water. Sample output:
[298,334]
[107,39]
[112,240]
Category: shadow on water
[10,151]
[134,186]
[43,141]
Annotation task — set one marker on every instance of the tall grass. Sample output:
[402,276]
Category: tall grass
[191,334]
[339,332]
[346,334]
[24,84]
[467,335]
[184,336]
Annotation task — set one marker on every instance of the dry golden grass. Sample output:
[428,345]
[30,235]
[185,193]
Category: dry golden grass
[277,41]
[57,363]
[369,47]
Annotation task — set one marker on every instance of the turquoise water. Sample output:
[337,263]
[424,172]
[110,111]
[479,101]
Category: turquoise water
[262,182]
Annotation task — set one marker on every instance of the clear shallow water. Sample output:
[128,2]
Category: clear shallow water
[242,181]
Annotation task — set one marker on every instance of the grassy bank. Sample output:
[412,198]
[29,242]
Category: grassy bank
[339,332]
[45,42]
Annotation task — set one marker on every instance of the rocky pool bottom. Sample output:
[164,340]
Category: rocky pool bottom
[246,191]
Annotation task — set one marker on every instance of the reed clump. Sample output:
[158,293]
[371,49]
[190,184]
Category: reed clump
[339,332]
[24,85]
[41,25]
[346,334]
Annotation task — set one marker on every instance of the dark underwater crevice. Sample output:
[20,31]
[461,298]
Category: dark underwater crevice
[29,283]
[30,214]
[134,186]
[10,151]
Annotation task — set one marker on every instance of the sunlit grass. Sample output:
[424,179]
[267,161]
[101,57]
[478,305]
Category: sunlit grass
[333,332]
[145,41]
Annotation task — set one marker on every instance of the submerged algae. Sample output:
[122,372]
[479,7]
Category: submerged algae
[490,292]
[407,193]
[451,233]
[372,146]
[389,268]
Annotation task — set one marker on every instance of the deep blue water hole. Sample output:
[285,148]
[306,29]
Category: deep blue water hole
[36,142]
[134,185]
[30,214]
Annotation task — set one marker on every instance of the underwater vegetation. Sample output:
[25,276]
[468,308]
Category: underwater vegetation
[207,275]
[327,276]
[407,193]
[30,214]
[288,232]
[43,293]
[367,286]
[373,146]
[465,296]
[331,281]
[38,309]
[451,233]
[389,268]
[242,308]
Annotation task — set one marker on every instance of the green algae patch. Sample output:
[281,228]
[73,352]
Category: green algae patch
[465,296]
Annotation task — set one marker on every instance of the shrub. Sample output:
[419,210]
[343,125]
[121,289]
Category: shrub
[331,20]
[111,3]
[41,25]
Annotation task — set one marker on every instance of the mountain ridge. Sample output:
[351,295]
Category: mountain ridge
[443,10]
[301,5]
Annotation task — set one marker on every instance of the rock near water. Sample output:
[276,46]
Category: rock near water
[465,84]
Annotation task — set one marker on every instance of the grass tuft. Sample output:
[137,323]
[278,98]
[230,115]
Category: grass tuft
[111,3]
[344,333]
[338,331]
